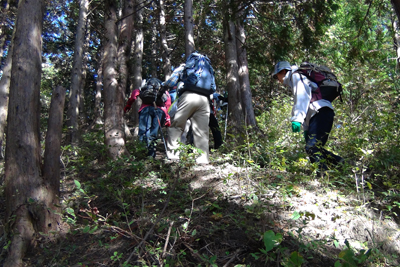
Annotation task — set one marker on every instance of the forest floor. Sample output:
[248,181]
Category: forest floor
[226,213]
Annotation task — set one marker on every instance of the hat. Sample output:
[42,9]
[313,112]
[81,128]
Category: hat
[281,65]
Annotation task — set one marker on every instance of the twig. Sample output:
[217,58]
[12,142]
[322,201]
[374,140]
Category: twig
[167,240]
[193,252]
[232,258]
[125,233]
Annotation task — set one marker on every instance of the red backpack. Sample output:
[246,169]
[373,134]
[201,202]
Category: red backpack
[328,86]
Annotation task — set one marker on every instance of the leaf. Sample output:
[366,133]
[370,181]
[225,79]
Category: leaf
[93,230]
[369,185]
[296,259]
[296,215]
[336,243]
[77,183]
[271,240]
[86,229]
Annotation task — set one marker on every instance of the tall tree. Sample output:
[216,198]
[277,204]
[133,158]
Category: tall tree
[154,50]
[113,96]
[396,28]
[235,115]
[76,75]
[396,6]
[243,72]
[124,44]
[137,46]
[164,43]
[26,193]
[4,90]
[189,38]
[99,86]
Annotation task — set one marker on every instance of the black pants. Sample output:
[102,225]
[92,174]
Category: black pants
[318,133]
[214,126]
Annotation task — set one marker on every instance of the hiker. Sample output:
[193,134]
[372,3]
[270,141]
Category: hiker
[152,115]
[213,122]
[315,116]
[193,103]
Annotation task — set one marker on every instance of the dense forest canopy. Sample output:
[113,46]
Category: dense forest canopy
[98,52]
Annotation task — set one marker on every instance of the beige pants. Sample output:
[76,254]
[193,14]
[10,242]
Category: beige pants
[196,108]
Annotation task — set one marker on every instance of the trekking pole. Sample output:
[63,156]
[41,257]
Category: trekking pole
[162,135]
[226,121]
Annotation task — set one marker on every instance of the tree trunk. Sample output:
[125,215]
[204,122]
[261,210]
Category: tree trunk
[189,37]
[124,49]
[244,79]
[137,63]
[164,43]
[85,58]
[51,170]
[124,42]
[25,192]
[4,91]
[99,86]
[396,7]
[235,115]
[396,39]
[113,96]
[154,45]
[76,75]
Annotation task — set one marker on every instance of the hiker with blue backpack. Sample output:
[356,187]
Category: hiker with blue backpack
[198,80]
[153,113]
[313,90]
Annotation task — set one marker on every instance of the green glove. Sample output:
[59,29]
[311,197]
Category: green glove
[305,135]
[296,126]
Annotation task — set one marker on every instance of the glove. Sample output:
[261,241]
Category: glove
[127,108]
[167,123]
[296,126]
[305,135]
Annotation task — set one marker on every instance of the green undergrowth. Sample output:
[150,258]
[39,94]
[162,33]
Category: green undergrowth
[143,212]
[137,211]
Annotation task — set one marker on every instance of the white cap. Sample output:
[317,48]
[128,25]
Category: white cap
[281,65]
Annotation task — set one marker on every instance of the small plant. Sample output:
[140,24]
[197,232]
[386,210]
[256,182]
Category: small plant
[294,260]
[350,259]
[271,241]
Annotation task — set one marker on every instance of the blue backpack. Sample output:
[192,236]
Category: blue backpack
[198,75]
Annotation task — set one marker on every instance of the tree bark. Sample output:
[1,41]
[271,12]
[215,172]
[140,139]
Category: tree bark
[163,36]
[235,115]
[25,192]
[124,42]
[137,63]
[113,96]
[396,7]
[244,79]
[51,170]
[124,50]
[4,91]
[85,58]
[99,86]
[76,76]
[189,36]
[154,44]
[396,29]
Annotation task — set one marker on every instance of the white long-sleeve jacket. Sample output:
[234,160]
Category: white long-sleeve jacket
[303,110]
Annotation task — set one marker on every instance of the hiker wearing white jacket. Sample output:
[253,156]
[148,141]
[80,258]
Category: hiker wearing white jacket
[316,116]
